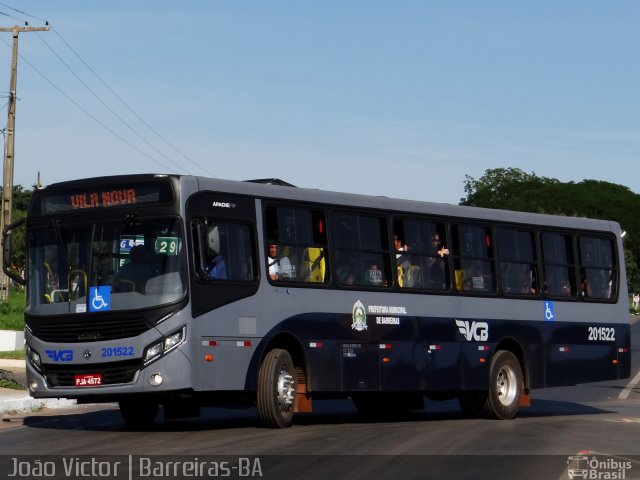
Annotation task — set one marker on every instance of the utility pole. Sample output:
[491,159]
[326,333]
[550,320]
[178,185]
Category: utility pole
[7,183]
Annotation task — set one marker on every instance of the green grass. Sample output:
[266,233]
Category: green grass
[4,383]
[13,355]
[12,312]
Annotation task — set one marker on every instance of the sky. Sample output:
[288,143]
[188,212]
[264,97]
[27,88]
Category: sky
[401,99]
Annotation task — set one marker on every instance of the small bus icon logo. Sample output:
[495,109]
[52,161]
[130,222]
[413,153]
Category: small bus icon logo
[578,466]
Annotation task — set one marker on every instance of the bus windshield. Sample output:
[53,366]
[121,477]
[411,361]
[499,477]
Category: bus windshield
[116,264]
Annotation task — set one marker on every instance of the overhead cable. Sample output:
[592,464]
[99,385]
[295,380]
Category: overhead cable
[90,115]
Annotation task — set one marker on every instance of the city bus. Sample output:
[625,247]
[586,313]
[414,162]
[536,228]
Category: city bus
[183,292]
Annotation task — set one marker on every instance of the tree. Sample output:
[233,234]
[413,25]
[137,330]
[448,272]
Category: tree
[20,205]
[513,189]
[506,188]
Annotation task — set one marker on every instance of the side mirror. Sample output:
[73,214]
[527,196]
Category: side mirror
[6,252]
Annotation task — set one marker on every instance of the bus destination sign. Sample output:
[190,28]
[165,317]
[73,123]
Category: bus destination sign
[92,198]
[109,198]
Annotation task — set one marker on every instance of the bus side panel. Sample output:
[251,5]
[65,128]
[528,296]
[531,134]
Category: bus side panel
[582,353]
[324,365]
[360,367]
[443,355]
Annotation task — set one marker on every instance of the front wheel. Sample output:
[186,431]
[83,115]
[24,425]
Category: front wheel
[276,389]
[505,386]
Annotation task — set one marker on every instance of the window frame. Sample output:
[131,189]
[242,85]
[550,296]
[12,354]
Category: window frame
[357,252]
[425,258]
[612,268]
[473,284]
[504,260]
[201,255]
[319,241]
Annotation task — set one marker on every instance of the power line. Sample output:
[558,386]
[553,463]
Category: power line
[127,106]
[90,115]
[20,11]
[184,155]
[11,16]
[105,104]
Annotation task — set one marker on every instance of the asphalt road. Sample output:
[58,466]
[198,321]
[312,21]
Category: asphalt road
[599,422]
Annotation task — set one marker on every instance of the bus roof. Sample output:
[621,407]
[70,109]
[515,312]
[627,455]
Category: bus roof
[282,190]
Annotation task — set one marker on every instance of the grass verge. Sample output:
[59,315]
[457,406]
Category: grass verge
[12,312]
[13,355]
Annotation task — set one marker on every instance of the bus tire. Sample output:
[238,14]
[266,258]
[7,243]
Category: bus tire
[505,386]
[276,389]
[137,412]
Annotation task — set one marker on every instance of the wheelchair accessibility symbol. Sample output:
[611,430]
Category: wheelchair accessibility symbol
[100,298]
[549,314]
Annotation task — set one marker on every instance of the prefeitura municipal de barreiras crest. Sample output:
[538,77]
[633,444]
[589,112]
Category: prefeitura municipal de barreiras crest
[359,316]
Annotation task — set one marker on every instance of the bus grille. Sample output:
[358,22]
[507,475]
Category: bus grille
[85,331]
[116,373]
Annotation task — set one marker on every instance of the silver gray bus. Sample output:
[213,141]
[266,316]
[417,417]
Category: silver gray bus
[180,292]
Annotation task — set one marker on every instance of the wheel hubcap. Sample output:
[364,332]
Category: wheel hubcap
[286,390]
[506,386]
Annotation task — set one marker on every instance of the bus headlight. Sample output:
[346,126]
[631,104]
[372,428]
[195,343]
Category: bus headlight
[174,340]
[33,357]
[164,346]
[153,352]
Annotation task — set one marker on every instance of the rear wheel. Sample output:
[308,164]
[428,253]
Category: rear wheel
[502,400]
[276,389]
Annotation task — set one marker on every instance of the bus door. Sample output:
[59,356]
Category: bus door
[224,270]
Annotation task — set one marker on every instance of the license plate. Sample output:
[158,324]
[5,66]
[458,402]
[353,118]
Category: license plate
[88,380]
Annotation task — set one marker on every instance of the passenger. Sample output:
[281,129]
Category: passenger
[437,264]
[134,274]
[348,271]
[481,277]
[279,267]
[527,282]
[217,266]
[403,262]
[400,247]
[374,276]
[437,246]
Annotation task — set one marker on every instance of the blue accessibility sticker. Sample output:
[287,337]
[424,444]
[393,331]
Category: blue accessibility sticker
[100,298]
[549,312]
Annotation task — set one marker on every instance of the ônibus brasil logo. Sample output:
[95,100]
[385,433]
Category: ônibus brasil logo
[359,316]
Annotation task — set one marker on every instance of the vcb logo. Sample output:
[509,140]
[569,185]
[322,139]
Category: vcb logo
[478,331]
[60,355]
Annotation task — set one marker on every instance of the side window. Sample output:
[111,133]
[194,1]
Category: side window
[597,273]
[473,259]
[223,250]
[517,261]
[558,260]
[361,250]
[421,254]
[296,247]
